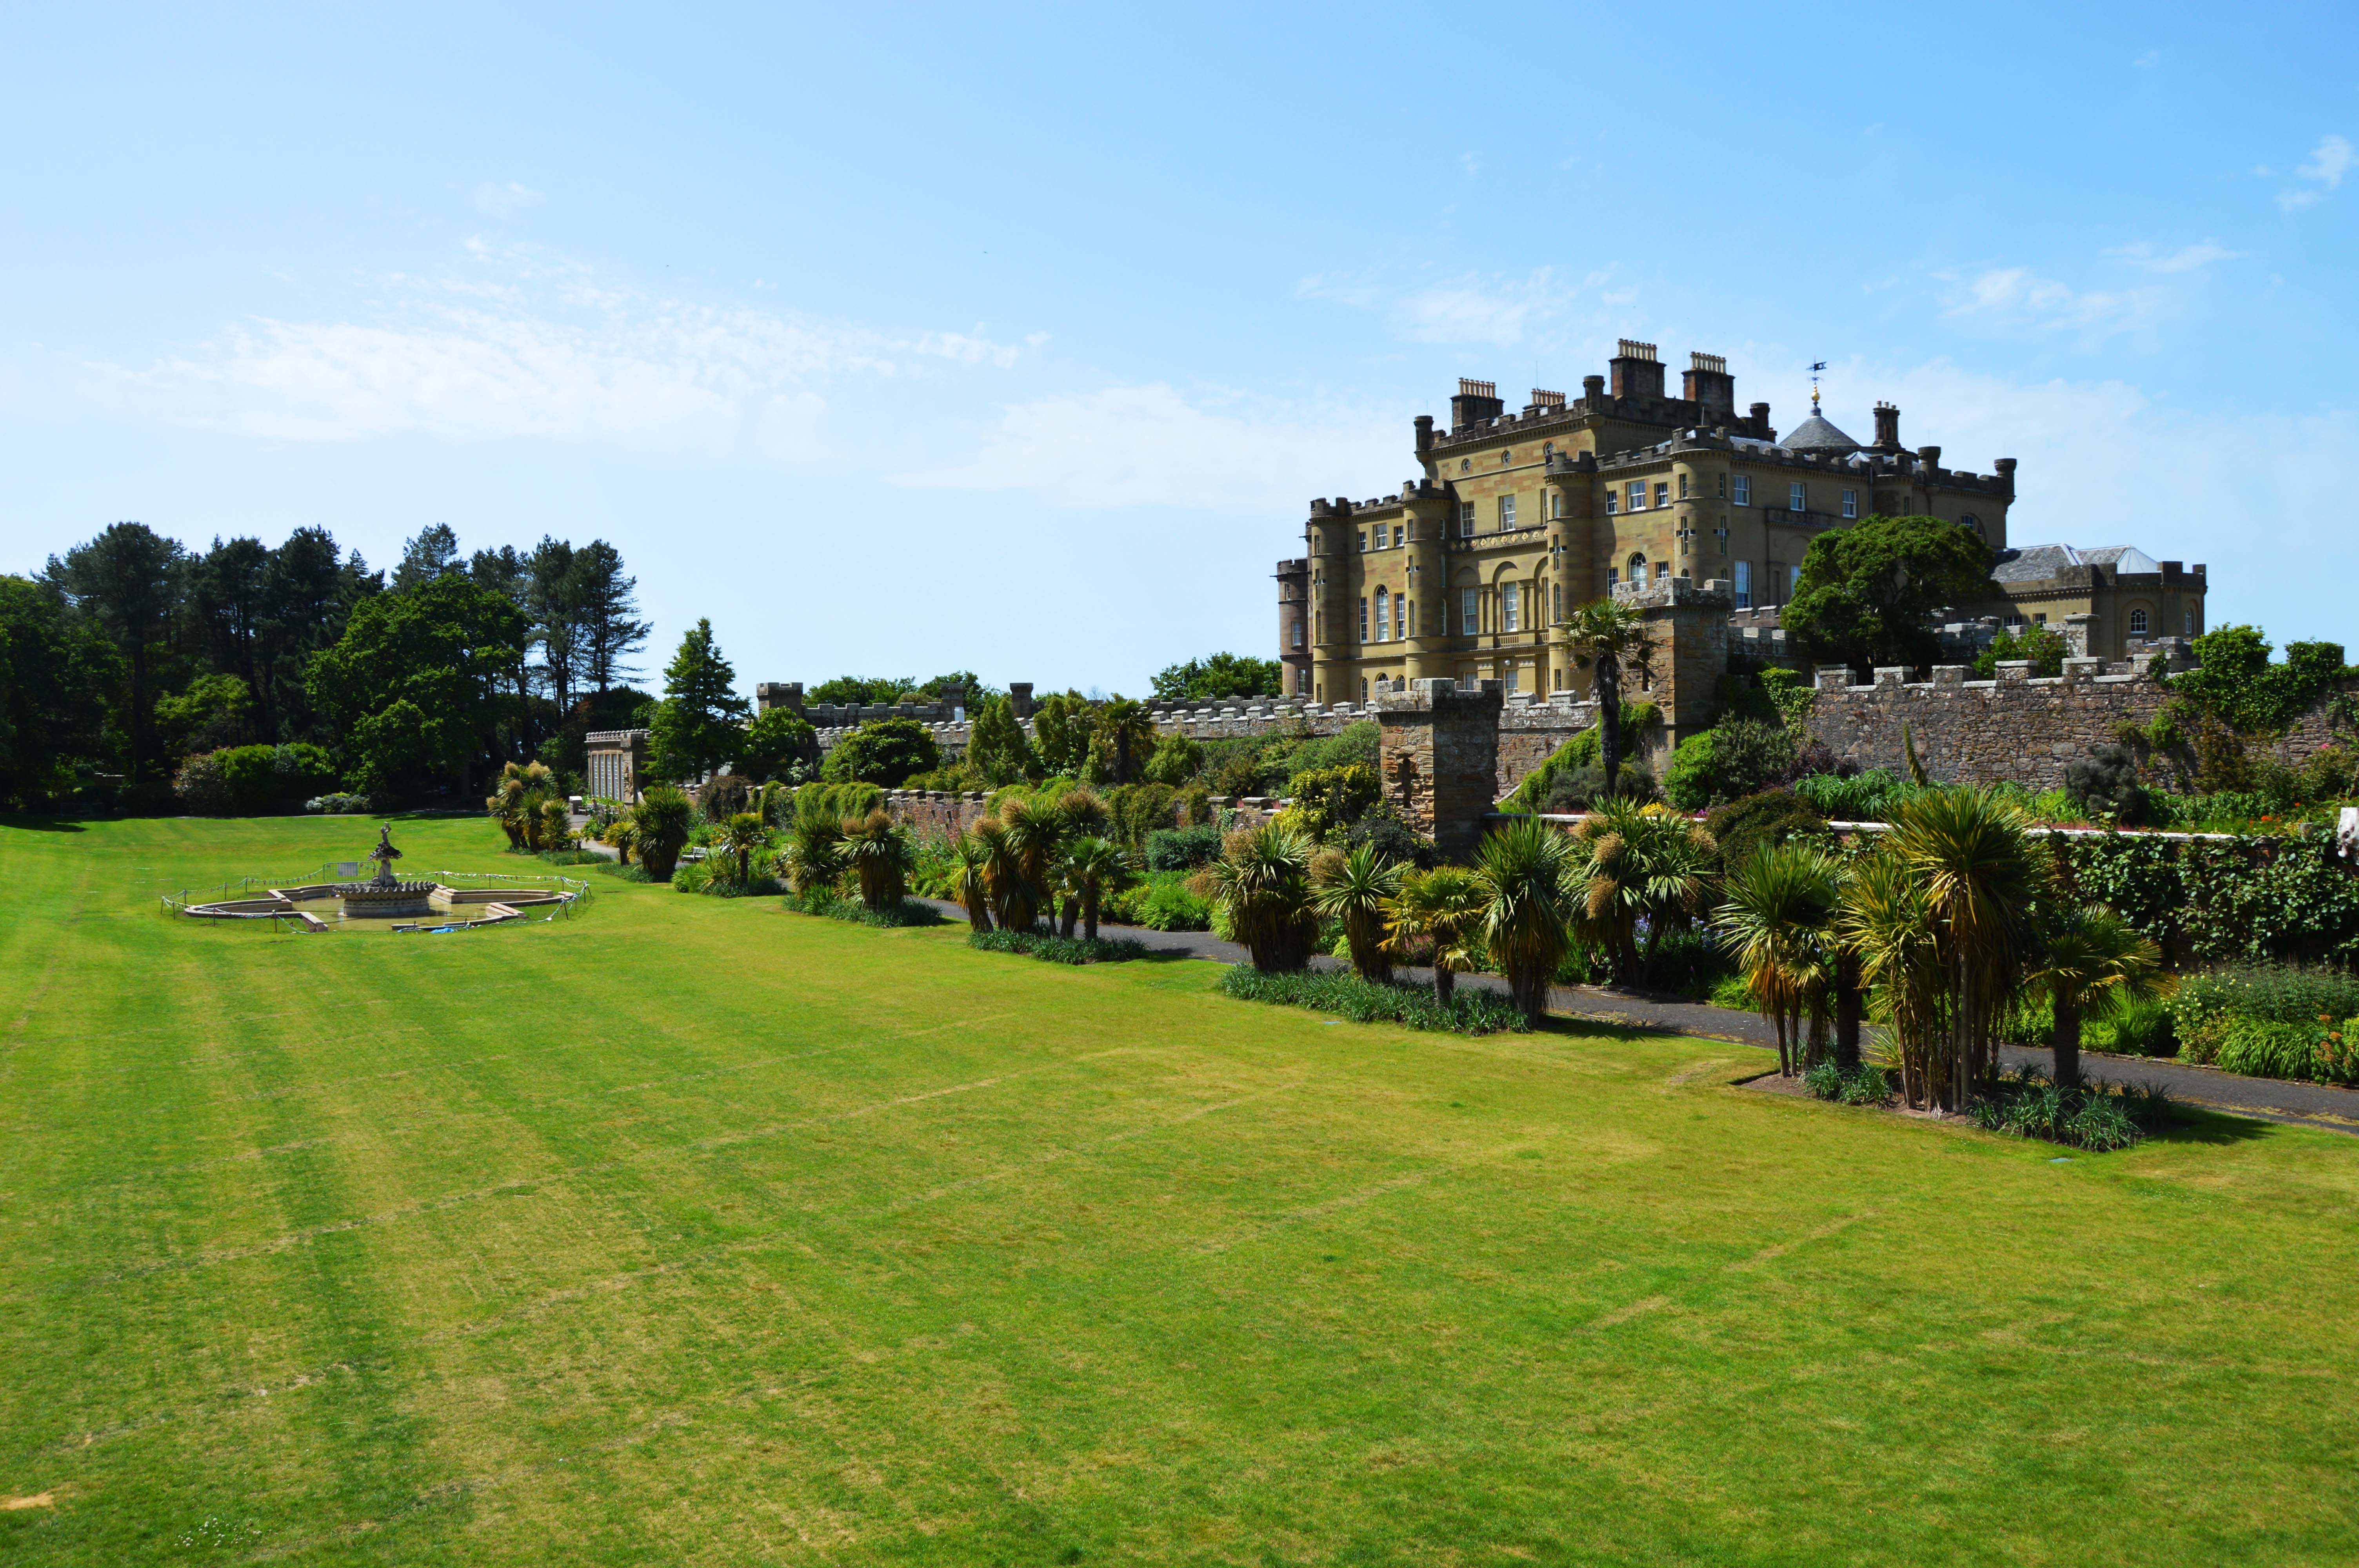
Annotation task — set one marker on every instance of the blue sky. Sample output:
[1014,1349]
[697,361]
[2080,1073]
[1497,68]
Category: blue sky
[901,340]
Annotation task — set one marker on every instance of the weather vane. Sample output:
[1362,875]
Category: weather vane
[1815,368]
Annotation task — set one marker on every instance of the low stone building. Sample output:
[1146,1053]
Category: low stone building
[618,764]
[2099,598]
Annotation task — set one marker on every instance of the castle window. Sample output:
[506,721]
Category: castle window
[1363,618]
[1408,616]
[1548,449]
[1400,532]
[1613,575]
[1637,496]
[1613,500]
[2190,623]
[1683,487]
[1724,487]
[1743,496]
[1297,633]
[1511,607]
[1384,616]
[1662,493]
[1970,520]
[1466,519]
[1639,570]
[1744,585]
[1507,458]
[1851,504]
[1797,499]
[1506,513]
[1557,594]
[1363,541]
[1466,465]
[1469,612]
[1555,503]
[2138,623]
[1793,579]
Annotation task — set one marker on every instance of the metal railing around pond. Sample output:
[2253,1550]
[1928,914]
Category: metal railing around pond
[573,893]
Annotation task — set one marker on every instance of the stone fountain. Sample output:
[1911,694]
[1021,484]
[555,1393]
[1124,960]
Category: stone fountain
[385,896]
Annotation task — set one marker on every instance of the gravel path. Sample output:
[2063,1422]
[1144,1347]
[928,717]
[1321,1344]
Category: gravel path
[2268,1100]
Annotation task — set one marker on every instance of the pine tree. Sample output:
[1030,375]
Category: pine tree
[607,605]
[433,552]
[701,720]
[551,590]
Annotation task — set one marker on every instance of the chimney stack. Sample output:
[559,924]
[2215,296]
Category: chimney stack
[1638,372]
[1887,427]
[1709,386]
[1931,457]
[1759,420]
[1476,400]
[1425,432]
[1593,390]
[2004,467]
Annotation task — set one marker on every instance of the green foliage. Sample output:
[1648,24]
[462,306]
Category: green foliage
[1136,812]
[1061,725]
[2235,682]
[1736,757]
[1583,751]
[775,743]
[1359,744]
[836,801]
[828,904]
[1122,738]
[56,670]
[1471,1010]
[1162,900]
[856,690]
[1262,886]
[1326,799]
[1863,1085]
[1182,848]
[2045,649]
[1059,949]
[997,745]
[882,752]
[2093,1117]
[701,722]
[1381,828]
[215,713]
[254,781]
[2104,784]
[413,681]
[661,823]
[1743,828]
[1866,591]
[2222,902]
[1870,796]
[1176,760]
[1220,676]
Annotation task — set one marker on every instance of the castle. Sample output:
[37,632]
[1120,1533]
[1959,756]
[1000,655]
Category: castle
[1515,520]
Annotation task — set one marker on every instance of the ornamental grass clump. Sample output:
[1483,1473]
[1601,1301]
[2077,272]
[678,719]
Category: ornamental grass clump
[2094,1116]
[1055,950]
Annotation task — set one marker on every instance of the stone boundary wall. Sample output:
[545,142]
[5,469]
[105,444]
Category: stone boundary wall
[1981,731]
[1221,722]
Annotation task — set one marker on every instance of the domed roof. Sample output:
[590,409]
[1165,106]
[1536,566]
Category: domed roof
[1815,435]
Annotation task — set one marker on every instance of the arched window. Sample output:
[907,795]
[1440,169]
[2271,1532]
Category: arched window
[1384,616]
[1638,567]
[2138,623]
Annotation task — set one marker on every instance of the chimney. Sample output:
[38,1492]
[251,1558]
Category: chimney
[1425,432]
[1593,390]
[1548,400]
[1709,386]
[1476,400]
[2004,468]
[1759,420]
[1638,372]
[1931,457]
[1887,427]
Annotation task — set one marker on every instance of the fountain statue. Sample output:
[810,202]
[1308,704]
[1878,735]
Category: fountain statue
[385,895]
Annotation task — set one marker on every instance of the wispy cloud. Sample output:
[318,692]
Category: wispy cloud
[2323,170]
[1470,308]
[2017,295]
[522,345]
[1152,444]
[2148,61]
[2187,258]
[502,199]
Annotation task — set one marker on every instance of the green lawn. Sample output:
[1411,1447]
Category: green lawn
[692,1231]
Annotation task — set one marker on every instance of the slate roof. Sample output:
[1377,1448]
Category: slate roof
[1815,435]
[2034,563]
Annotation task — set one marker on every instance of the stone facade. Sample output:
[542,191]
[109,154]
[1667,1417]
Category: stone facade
[1515,520]
[1439,759]
[616,766]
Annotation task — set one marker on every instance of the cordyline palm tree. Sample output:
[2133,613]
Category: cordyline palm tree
[507,804]
[811,853]
[1967,848]
[1609,638]
[1262,881]
[1885,922]
[1078,814]
[741,836]
[1445,907]
[973,891]
[555,825]
[1357,889]
[878,854]
[1775,918]
[1095,868]
[624,835]
[1033,833]
[661,820]
[1529,903]
[1013,898]
[1635,862]
[2086,954]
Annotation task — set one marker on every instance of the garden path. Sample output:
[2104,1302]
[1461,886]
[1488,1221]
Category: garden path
[2268,1100]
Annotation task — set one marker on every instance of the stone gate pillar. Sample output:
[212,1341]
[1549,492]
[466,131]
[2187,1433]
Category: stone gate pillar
[1439,758]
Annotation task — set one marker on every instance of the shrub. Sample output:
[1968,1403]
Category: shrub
[775,744]
[2094,1116]
[1162,900]
[2105,785]
[1870,796]
[723,795]
[1471,1010]
[1328,798]
[836,801]
[2141,1026]
[1863,1084]
[1380,826]
[1736,757]
[1584,752]
[334,804]
[1744,828]
[1175,761]
[2260,1049]
[882,752]
[828,904]
[1058,949]
[1182,848]
[1688,963]
[1359,742]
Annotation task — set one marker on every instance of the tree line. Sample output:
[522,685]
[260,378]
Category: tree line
[131,652]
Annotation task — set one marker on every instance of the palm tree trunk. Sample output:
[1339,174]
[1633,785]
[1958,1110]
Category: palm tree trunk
[1608,683]
[1073,912]
[1089,913]
[2068,1042]
[1445,983]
